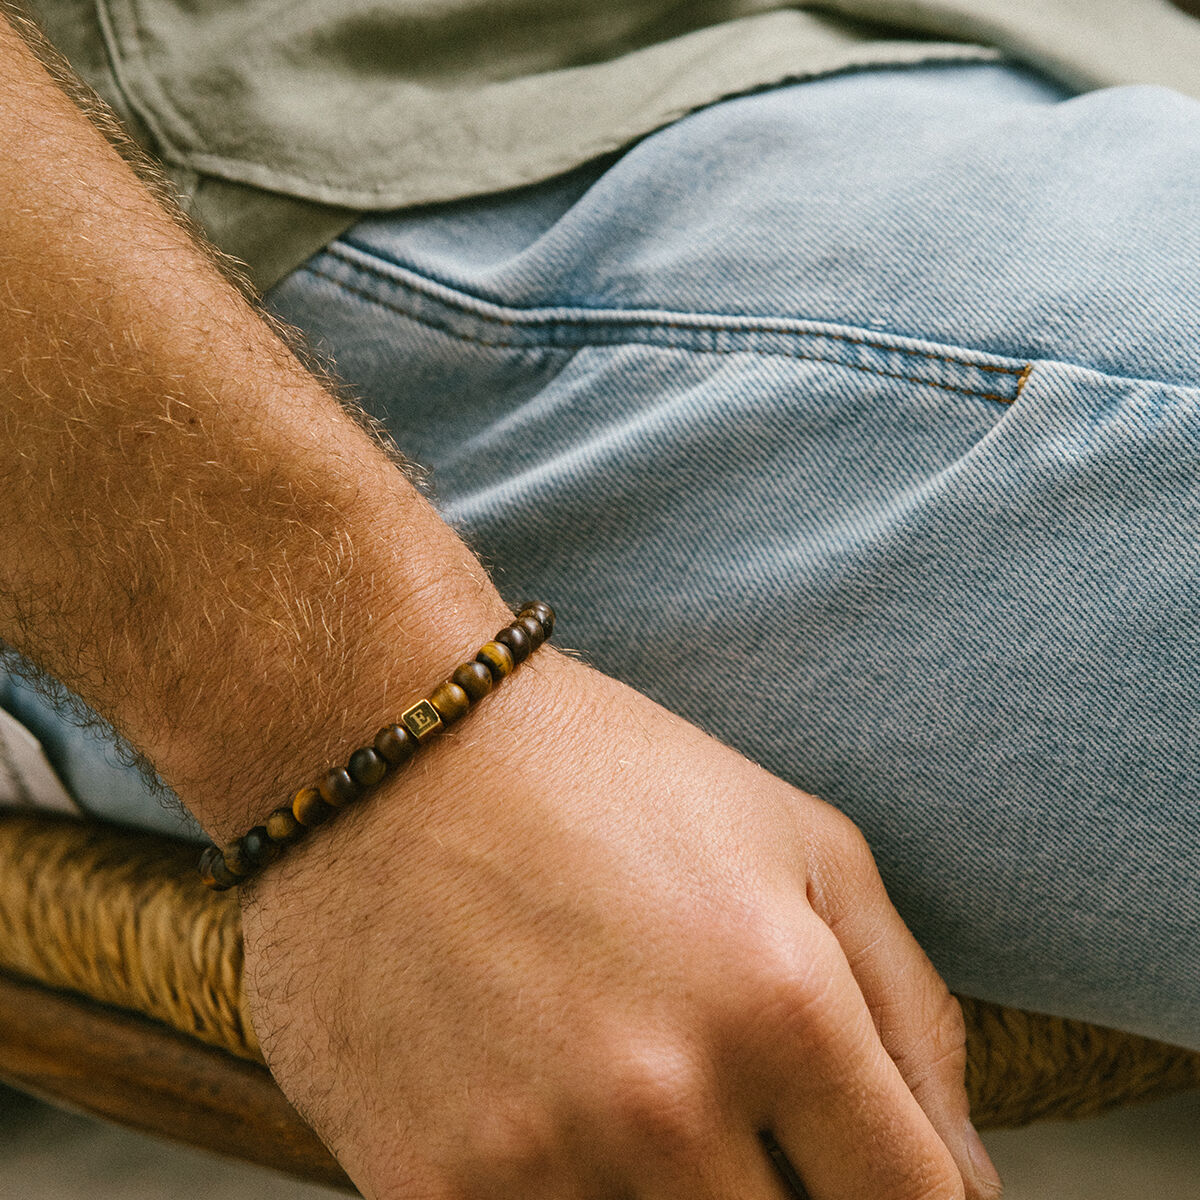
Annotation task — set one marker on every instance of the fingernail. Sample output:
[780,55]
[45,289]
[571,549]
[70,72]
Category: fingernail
[986,1174]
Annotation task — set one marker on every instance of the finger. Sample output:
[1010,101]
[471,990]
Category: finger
[841,1110]
[742,1169]
[920,1023]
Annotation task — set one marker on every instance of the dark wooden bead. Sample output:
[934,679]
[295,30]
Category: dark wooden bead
[337,788]
[497,658]
[308,808]
[543,612]
[396,744]
[208,862]
[214,871]
[236,859]
[257,847]
[533,628]
[474,678]
[224,877]
[450,700]
[283,827]
[517,640]
[367,767]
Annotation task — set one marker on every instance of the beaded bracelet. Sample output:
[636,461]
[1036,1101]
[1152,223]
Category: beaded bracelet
[394,745]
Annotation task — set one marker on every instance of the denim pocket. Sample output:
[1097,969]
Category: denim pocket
[416,344]
[950,592]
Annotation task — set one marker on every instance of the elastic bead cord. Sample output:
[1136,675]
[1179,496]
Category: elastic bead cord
[394,745]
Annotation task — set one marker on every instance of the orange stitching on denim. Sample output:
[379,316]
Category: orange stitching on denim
[1024,379]
[333,251]
[506,324]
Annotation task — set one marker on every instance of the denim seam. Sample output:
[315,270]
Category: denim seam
[583,323]
[589,316]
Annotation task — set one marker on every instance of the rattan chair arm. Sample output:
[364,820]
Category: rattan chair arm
[121,917]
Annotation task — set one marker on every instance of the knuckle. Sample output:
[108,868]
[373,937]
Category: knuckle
[948,1029]
[842,868]
[947,1189]
[941,1049]
[832,825]
[854,853]
[510,1144]
[791,994]
[928,1173]
[660,1097]
[943,1183]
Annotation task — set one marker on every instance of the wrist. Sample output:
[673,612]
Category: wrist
[361,770]
[348,658]
[452,782]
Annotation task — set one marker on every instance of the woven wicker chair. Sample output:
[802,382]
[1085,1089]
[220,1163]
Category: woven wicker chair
[121,994]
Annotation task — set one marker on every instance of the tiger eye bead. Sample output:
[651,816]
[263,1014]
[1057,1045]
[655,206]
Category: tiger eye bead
[337,788]
[497,658]
[450,700]
[257,847]
[367,767]
[533,629]
[308,808]
[396,744]
[517,640]
[474,678]
[543,612]
[283,827]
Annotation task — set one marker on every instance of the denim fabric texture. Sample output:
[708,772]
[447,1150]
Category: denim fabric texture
[858,421]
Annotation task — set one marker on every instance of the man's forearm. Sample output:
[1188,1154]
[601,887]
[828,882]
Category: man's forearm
[197,538]
[644,954]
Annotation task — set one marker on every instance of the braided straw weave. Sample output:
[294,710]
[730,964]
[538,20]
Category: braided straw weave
[122,917]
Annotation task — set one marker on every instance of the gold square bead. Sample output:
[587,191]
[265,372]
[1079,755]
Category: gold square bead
[422,720]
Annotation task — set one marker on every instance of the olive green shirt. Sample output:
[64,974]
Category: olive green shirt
[282,120]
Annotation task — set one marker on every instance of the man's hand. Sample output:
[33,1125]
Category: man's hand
[582,950]
[578,948]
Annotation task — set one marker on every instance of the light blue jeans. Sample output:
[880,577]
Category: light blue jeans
[882,393]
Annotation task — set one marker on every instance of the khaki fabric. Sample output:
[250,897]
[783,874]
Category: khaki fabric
[281,120]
